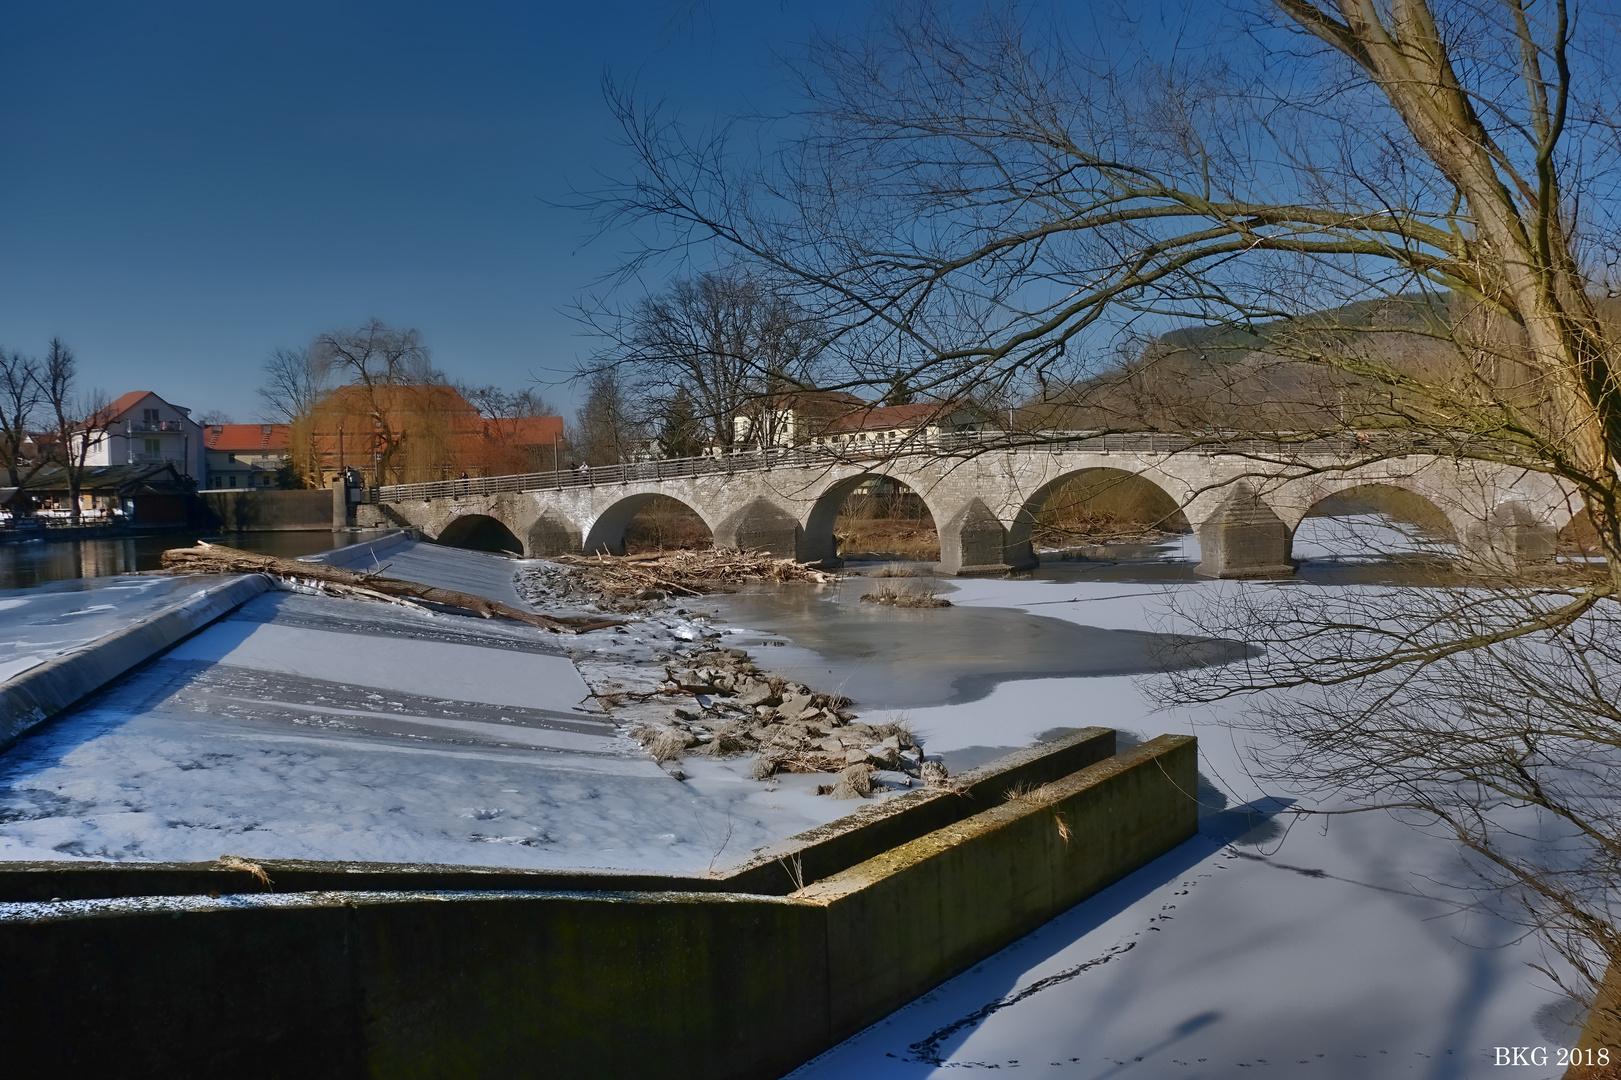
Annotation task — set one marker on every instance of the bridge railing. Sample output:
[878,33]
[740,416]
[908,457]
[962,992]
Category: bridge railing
[963,443]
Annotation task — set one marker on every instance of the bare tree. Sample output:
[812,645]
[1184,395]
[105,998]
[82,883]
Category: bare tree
[294,385]
[722,341]
[605,429]
[1406,201]
[508,437]
[386,373]
[81,419]
[19,397]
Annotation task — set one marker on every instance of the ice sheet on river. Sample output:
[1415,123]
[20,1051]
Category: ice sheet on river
[1347,949]
[308,727]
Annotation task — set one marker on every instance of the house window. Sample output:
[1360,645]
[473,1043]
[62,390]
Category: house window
[230,481]
[149,416]
[154,447]
[231,458]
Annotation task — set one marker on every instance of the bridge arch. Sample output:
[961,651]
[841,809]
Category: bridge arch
[479,532]
[818,544]
[607,532]
[1401,503]
[1126,485]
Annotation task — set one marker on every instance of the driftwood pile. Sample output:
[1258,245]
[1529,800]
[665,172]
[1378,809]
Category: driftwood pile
[217,559]
[736,708]
[665,575]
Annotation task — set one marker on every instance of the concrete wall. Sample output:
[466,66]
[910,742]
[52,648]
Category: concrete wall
[265,509]
[612,984]
[937,905]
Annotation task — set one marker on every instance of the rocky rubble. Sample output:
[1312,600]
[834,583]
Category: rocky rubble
[678,693]
[737,708]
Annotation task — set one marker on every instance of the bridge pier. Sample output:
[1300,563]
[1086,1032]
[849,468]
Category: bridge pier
[1244,538]
[761,525]
[552,534]
[974,542]
[1511,538]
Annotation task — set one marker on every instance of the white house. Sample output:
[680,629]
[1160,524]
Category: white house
[141,428]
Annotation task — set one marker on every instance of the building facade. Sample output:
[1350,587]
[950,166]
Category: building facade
[141,428]
[245,455]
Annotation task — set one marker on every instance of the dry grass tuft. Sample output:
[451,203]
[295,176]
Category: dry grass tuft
[893,570]
[663,741]
[896,596]
[237,862]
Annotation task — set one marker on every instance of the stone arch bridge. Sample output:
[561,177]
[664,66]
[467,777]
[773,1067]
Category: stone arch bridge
[1243,499]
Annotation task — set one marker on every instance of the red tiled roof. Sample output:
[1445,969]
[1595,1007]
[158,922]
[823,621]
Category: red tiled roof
[118,408]
[238,438]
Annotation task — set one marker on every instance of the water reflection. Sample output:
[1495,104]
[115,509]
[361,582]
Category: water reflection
[35,562]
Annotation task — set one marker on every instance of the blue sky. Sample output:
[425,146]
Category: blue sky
[186,186]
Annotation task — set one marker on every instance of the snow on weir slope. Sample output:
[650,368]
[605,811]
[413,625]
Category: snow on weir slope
[1350,948]
[48,621]
[308,727]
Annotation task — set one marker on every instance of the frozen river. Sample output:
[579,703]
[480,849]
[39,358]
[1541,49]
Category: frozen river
[310,727]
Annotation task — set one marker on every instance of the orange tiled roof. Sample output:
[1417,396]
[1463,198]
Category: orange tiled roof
[238,438]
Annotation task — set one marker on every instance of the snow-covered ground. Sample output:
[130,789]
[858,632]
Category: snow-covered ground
[1268,945]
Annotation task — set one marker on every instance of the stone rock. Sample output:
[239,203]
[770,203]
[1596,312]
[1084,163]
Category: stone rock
[794,704]
[934,773]
[757,694]
[854,783]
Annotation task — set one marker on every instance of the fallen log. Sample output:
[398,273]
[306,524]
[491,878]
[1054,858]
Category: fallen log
[217,559]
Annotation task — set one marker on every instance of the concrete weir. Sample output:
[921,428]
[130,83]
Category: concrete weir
[348,970]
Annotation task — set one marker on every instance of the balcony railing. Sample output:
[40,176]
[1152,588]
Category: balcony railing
[155,425]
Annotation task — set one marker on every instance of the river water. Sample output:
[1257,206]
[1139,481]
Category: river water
[29,563]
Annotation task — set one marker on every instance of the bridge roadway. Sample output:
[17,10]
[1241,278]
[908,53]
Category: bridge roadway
[1244,499]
